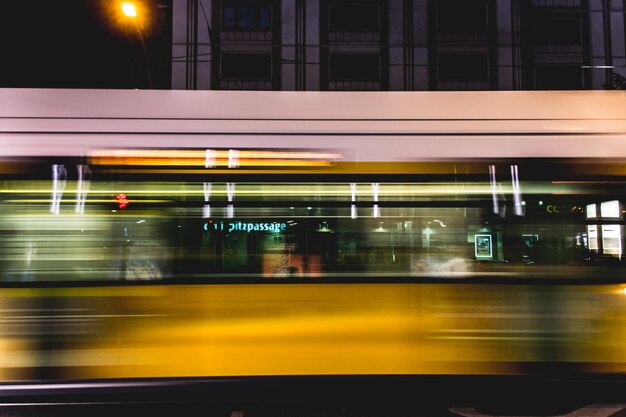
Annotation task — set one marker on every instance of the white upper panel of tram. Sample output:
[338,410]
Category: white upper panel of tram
[382,126]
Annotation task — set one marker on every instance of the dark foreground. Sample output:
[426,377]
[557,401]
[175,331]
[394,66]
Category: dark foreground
[321,397]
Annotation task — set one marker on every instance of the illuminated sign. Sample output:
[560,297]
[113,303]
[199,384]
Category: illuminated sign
[482,246]
[610,209]
[552,209]
[565,210]
[248,227]
[592,234]
[590,212]
[612,239]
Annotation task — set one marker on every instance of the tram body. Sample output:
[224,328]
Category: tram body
[169,234]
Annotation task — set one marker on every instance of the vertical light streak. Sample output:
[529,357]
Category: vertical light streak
[230,194]
[233,158]
[209,158]
[375,192]
[494,188]
[59,174]
[206,210]
[518,209]
[82,186]
[353,211]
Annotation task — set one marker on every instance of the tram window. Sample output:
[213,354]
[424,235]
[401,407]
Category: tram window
[425,227]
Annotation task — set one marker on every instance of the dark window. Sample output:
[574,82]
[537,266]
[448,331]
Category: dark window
[354,67]
[558,77]
[247,66]
[461,17]
[354,17]
[466,67]
[558,28]
[246,17]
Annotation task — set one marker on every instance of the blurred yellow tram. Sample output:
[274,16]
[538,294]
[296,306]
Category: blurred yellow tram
[152,234]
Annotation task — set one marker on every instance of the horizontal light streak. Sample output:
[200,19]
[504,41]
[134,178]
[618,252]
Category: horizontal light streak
[363,190]
[177,157]
[200,154]
[219,162]
[73,201]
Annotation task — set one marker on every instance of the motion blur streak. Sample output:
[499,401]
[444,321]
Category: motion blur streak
[322,329]
[179,157]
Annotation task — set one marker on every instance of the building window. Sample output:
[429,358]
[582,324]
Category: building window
[354,67]
[246,66]
[558,77]
[353,35]
[463,67]
[454,17]
[354,17]
[463,45]
[247,16]
[557,29]
[558,46]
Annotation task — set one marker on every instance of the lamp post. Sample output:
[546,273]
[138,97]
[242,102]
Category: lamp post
[131,12]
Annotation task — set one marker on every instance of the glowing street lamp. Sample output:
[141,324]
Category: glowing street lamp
[131,13]
[129,9]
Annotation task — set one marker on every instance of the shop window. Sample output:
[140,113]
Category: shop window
[354,17]
[247,17]
[463,67]
[463,16]
[558,77]
[557,29]
[354,67]
[246,66]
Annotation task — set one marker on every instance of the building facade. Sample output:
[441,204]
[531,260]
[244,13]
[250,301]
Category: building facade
[397,45]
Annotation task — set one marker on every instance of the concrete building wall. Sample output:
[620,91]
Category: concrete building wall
[180,45]
[618,52]
[289,59]
[597,42]
[504,44]
[421,80]
[191,47]
[395,48]
[312,45]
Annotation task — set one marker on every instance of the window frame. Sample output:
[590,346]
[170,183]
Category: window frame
[484,5]
[236,6]
[558,13]
[376,5]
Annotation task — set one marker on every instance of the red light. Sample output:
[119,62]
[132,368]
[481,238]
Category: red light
[122,201]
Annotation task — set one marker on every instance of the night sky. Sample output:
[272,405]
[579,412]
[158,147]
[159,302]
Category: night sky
[82,44]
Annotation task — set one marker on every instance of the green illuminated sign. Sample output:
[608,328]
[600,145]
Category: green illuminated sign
[248,227]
